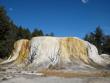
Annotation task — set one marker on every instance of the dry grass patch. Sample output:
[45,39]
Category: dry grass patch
[60,73]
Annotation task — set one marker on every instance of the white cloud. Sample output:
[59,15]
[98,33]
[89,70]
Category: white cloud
[84,1]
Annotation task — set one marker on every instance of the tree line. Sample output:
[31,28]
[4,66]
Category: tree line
[100,40]
[10,32]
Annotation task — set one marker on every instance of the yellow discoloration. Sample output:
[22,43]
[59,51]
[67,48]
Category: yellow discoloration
[23,54]
[59,52]
[73,49]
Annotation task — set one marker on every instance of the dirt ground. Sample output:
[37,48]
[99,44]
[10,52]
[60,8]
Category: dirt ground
[34,79]
[54,76]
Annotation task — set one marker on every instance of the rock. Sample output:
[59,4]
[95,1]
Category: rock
[55,53]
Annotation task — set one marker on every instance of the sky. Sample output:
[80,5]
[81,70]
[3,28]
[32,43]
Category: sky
[62,17]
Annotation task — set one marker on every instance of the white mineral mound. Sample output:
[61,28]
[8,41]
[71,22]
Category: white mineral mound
[56,52]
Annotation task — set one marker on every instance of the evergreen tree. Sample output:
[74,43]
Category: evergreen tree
[96,38]
[23,33]
[37,32]
[106,45]
[7,34]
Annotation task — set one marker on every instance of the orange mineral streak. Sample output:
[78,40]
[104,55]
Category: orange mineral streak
[73,49]
[23,53]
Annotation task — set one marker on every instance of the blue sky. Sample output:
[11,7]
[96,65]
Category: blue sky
[62,17]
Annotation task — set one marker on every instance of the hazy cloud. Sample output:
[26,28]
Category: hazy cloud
[10,9]
[84,1]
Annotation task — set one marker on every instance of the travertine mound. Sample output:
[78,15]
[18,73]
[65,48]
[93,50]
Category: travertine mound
[56,52]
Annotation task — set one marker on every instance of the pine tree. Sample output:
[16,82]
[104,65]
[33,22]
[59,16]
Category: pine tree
[106,45]
[7,34]
[37,32]
[96,38]
[23,33]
